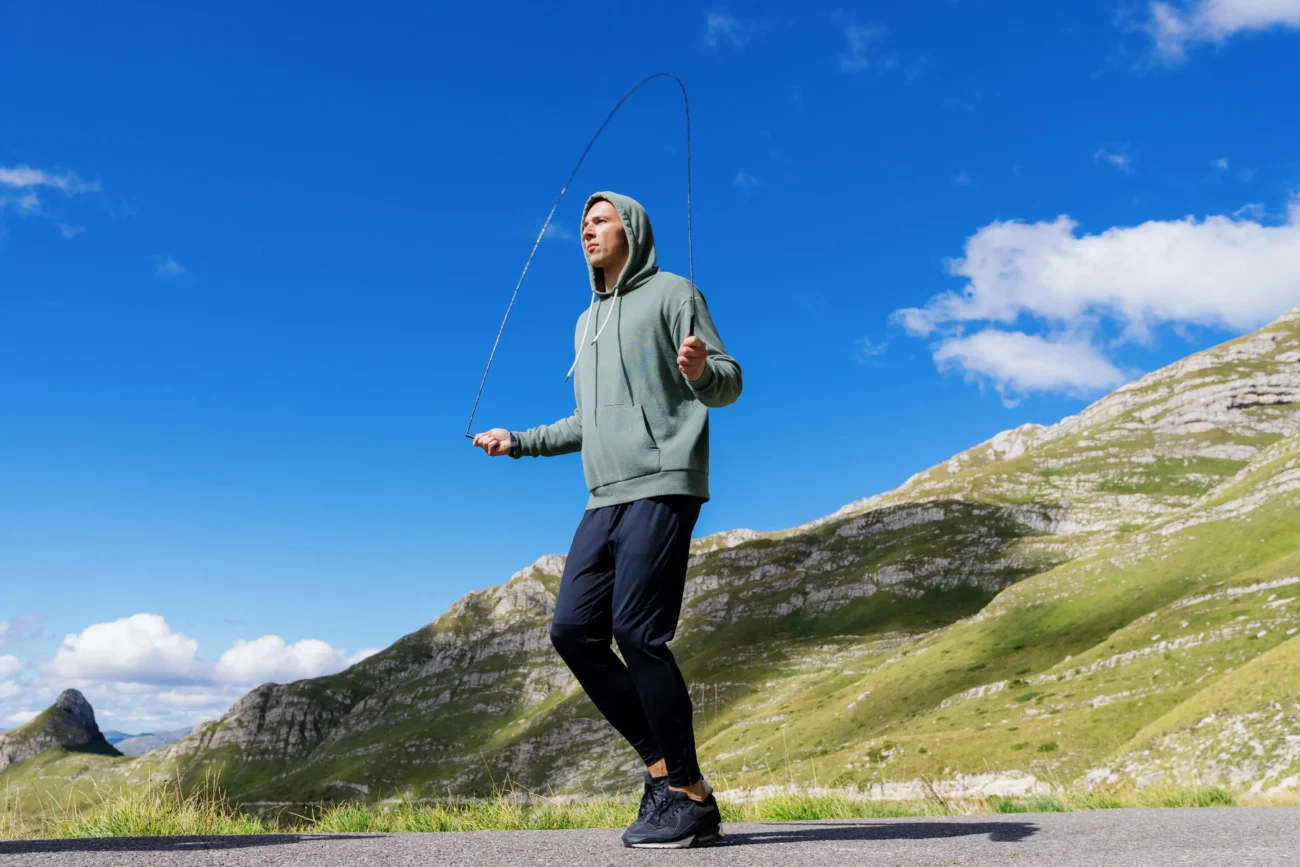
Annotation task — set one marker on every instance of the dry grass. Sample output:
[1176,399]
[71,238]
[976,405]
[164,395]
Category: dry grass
[164,810]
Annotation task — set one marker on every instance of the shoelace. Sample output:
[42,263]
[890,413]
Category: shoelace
[650,800]
[667,807]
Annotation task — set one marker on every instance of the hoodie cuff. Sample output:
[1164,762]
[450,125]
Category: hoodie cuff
[705,380]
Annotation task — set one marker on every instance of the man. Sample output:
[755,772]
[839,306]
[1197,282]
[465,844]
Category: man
[643,385]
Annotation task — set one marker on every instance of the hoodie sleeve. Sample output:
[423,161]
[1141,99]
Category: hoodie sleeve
[548,440]
[721,383]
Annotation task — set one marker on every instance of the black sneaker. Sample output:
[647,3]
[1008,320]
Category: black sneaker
[651,796]
[678,823]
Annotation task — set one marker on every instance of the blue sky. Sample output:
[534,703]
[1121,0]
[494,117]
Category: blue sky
[252,262]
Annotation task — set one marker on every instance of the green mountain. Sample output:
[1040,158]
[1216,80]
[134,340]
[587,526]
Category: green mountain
[68,725]
[1112,600]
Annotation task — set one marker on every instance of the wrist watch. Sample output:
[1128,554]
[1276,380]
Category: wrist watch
[514,444]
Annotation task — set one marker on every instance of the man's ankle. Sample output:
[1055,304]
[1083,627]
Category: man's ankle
[697,791]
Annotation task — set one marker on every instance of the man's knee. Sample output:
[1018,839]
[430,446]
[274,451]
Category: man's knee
[637,639]
[567,637]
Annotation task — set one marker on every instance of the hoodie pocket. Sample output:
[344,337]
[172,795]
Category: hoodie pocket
[617,445]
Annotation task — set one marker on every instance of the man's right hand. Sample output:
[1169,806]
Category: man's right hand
[495,442]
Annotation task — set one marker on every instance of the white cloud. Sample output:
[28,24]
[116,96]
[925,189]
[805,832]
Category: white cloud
[9,666]
[746,181]
[16,629]
[1221,164]
[70,231]
[363,653]
[558,232]
[269,658]
[963,179]
[721,27]
[28,203]
[138,671]
[1225,272]
[1174,27]
[1120,157]
[142,707]
[868,348]
[141,648]
[26,176]
[1159,271]
[21,717]
[24,181]
[860,37]
[1019,364]
[167,268]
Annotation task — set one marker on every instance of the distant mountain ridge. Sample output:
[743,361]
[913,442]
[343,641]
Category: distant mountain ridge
[145,742]
[1110,600]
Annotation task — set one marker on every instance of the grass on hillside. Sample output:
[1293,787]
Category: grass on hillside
[163,810]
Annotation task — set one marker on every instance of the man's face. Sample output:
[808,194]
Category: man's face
[603,239]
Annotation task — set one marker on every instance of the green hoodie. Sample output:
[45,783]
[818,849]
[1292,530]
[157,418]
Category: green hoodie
[642,426]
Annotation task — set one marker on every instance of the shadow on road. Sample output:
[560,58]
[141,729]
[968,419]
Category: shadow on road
[162,844]
[791,832]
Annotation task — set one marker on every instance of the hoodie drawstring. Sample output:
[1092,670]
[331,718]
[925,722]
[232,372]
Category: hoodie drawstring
[608,315]
[582,344]
[582,341]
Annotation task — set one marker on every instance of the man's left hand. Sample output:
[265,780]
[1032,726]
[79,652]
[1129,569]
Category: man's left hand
[691,357]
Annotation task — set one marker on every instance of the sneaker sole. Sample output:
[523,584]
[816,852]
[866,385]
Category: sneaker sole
[707,838]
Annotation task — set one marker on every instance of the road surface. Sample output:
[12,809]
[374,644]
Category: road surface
[1187,837]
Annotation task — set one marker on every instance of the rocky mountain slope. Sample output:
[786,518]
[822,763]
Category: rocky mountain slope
[68,724]
[1108,601]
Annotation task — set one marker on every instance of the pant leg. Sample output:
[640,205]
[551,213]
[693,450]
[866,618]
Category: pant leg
[651,549]
[582,629]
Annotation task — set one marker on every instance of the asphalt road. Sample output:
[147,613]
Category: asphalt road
[1215,837]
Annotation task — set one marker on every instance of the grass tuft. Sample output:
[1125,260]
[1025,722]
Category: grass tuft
[803,808]
[502,813]
[157,811]
[1185,796]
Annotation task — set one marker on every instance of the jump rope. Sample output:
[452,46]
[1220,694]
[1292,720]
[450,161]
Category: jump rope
[690,249]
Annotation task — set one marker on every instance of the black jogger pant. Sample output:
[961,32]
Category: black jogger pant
[624,580]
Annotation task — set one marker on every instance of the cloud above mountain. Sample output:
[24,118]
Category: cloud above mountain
[140,669]
[1039,295]
[270,658]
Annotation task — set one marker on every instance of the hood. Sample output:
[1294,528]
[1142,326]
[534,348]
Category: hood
[641,260]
